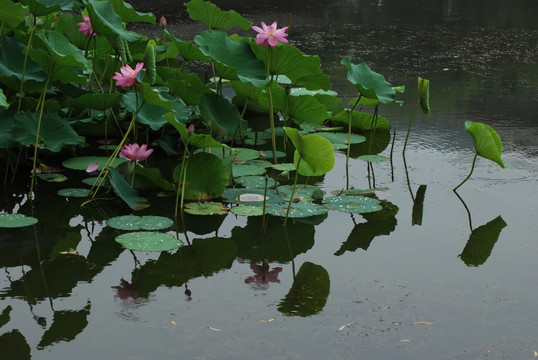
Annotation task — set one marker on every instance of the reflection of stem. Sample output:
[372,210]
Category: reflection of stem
[264,223]
[468,176]
[292,255]
[293,190]
[407,177]
[466,208]
[349,140]
[391,151]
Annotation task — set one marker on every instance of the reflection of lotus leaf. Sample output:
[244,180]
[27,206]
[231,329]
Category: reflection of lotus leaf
[206,208]
[134,222]
[353,204]
[148,241]
[16,220]
[481,242]
[309,291]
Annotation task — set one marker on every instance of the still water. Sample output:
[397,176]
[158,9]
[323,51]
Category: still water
[397,290]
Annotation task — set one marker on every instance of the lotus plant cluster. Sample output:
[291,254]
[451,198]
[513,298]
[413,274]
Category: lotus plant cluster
[87,77]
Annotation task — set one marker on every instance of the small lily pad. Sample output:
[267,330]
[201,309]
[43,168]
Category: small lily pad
[134,222]
[16,220]
[247,170]
[353,204]
[206,208]
[303,192]
[354,192]
[268,154]
[256,182]
[55,177]
[148,241]
[94,180]
[250,196]
[341,138]
[284,167]
[373,158]
[74,192]
[82,162]
[247,210]
[297,210]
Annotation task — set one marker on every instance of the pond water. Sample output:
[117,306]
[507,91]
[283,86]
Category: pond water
[459,284]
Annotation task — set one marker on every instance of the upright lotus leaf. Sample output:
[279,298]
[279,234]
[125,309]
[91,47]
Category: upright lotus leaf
[186,49]
[316,153]
[235,54]
[3,100]
[301,69]
[361,120]
[151,178]
[124,191]
[99,101]
[11,66]
[54,132]
[487,142]
[46,7]
[66,325]
[106,21]
[63,53]
[189,88]
[221,115]
[481,242]
[14,345]
[12,14]
[128,14]
[206,177]
[369,83]
[424,95]
[215,18]
[309,292]
[66,74]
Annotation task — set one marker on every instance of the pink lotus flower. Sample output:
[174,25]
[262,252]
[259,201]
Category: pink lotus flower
[270,35]
[136,152]
[86,27]
[162,22]
[92,167]
[127,78]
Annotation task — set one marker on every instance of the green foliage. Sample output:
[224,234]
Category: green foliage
[215,18]
[487,142]
[369,83]
[314,154]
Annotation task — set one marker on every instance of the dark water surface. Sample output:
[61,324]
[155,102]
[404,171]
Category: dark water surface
[397,290]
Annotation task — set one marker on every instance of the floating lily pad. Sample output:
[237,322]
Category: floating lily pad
[247,170]
[134,222]
[297,210]
[251,196]
[303,192]
[283,167]
[52,177]
[82,162]
[247,210]
[92,181]
[258,141]
[353,204]
[148,241]
[341,138]
[373,158]
[206,208]
[353,192]
[256,182]
[16,220]
[74,192]
[261,163]
[268,154]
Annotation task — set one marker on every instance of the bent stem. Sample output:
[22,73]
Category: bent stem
[409,127]
[292,191]
[468,176]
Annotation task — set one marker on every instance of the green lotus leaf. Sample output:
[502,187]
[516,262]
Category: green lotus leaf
[373,158]
[62,52]
[82,162]
[129,14]
[236,56]
[134,222]
[55,177]
[94,180]
[314,154]
[106,21]
[12,70]
[215,18]
[297,210]
[148,241]
[221,115]
[268,154]
[353,192]
[369,83]
[16,220]
[302,192]
[487,142]
[247,210]
[205,208]
[283,167]
[361,120]
[342,138]
[256,182]
[3,100]
[353,204]
[309,292]
[74,192]
[251,196]
[97,101]
[240,170]
[424,95]
[12,13]
[124,191]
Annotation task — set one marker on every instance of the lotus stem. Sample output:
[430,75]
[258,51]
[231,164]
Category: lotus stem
[272,121]
[24,67]
[468,176]
[264,223]
[409,127]
[292,191]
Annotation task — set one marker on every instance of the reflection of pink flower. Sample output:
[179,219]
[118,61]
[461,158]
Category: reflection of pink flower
[270,35]
[128,75]
[263,276]
[136,152]
[126,290]
[86,27]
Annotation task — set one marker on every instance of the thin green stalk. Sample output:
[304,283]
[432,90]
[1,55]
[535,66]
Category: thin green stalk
[264,223]
[468,176]
[36,145]
[410,125]
[24,67]
[292,191]
[349,130]
[272,121]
